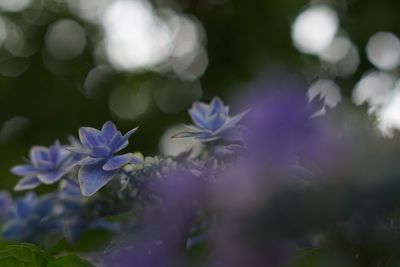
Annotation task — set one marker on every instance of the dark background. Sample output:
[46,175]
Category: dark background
[246,40]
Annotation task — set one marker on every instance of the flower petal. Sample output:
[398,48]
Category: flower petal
[14,230]
[39,153]
[200,108]
[89,136]
[27,183]
[216,121]
[216,105]
[116,142]
[100,152]
[129,134]
[197,118]
[50,177]
[108,131]
[55,152]
[23,170]
[117,162]
[92,177]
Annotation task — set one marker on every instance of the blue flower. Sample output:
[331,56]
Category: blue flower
[100,163]
[212,122]
[31,218]
[46,165]
[72,211]
[5,205]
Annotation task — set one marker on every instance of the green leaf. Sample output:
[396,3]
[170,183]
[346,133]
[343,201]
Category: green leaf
[69,260]
[318,258]
[24,255]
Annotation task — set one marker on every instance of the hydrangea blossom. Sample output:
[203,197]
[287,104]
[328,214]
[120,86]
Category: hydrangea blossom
[71,210]
[46,165]
[31,218]
[212,122]
[5,205]
[100,163]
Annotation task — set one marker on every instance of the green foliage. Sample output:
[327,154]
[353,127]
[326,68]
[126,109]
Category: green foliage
[28,255]
[317,258]
[69,260]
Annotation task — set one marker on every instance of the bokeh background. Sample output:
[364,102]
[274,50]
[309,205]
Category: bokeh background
[71,63]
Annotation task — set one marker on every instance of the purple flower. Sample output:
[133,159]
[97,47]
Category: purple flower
[5,205]
[212,122]
[31,218]
[46,165]
[100,163]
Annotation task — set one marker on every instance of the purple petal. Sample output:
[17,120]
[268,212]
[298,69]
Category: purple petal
[116,142]
[23,170]
[129,134]
[88,161]
[237,118]
[216,105]
[44,165]
[50,177]
[108,131]
[197,118]
[13,230]
[89,136]
[93,177]
[216,121]
[100,152]
[27,183]
[39,153]
[23,208]
[117,162]
[200,108]
[54,152]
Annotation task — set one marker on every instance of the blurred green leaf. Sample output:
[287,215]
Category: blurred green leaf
[24,255]
[69,260]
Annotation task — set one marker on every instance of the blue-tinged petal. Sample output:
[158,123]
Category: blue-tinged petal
[44,206]
[89,136]
[50,177]
[237,118]
[88,161]
[100,152]
[200,108]
[116,142]
[216,105]
[197,118]
[54,152]
[39,153]
[117,162]
[23,209]
[78,149]
[216,121]
[27,183]
[108,131]
[14,230]
[129,134]
[23,170]
[42,165]
[93,177]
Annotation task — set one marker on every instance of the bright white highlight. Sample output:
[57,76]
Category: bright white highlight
[314,29]
[174,146]
[389,115]
[328,90]
[135,37]
[383,50]
[14,5]
[373,89]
